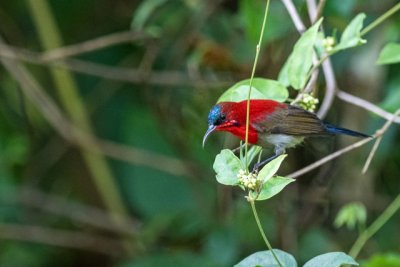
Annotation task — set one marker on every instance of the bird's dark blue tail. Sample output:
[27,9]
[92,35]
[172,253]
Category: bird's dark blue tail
[337,130]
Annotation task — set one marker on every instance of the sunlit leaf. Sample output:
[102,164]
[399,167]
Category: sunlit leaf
[272,187]
[332,259]
[383,260]
[266,259]
[227,166]
[351,36]
[390,54]
[351,215]
[271,168]
[299,63]
[262,89]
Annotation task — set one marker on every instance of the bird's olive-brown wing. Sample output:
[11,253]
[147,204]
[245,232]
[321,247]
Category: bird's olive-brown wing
[290,120]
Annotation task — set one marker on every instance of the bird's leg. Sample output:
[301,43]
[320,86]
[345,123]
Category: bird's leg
[279,150]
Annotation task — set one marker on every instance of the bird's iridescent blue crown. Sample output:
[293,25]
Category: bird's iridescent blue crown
[214,115]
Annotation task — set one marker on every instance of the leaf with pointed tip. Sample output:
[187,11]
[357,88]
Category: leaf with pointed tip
[331,259]
[227,166]
[271,168]
[272,187]
[261,89]
[297,67]
[266,259]
[390,54]
[351,36]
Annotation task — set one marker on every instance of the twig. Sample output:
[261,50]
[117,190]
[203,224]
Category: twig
[326,65]
[330,88]
[378,141]
[76,136]
[92,45]
[60,238]
[312,10]
[328,158]
[253,208]
[381,19]
[75,211]
[246,139]
[132,75]
[326,68]
[339,153]
[320,8]
[367,105]
[298,23]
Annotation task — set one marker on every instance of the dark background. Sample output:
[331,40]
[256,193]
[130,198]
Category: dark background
[51,210]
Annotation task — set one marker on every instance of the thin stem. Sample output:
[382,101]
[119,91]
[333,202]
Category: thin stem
[381,19]
[375,226]
[251,81]
[253,207]
[378,141]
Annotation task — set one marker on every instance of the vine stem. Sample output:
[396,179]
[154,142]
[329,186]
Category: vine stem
[381,19]
[374,227]
[253,207]
[251,81]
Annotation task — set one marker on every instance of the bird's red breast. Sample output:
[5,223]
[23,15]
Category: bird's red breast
[235,113]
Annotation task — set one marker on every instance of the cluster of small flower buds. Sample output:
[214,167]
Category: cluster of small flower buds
[328,43]
[308,102]
[248,180]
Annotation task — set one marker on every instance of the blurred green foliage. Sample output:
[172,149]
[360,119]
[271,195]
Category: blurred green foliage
[188,219]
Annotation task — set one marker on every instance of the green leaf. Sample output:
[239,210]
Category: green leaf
[351,36]
[272,187]
[261,89]
[299,63]
[331,259]
[271,168]
[383,260]
[266,259]
[251,154]
[350,215]
[283,76]
[227,166]
[390,54]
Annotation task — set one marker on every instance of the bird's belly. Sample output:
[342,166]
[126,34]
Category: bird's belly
[281,140]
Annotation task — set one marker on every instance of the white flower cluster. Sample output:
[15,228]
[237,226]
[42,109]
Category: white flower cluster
[328,43]
[308,102]
[248,180]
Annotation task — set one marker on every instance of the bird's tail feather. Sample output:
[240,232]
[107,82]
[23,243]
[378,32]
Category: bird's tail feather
[337,130]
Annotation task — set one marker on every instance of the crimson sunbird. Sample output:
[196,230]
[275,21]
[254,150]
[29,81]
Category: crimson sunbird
[271,122]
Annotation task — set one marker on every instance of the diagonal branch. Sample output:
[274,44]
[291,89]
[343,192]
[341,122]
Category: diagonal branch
[131,75]
[92,45]
[367,106]
[76,136]
[60,238]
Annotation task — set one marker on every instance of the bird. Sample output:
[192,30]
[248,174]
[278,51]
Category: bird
[279,124]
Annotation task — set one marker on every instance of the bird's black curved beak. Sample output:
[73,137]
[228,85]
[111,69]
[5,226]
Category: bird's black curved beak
[210,129]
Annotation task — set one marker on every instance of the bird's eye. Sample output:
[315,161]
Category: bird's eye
[222,117]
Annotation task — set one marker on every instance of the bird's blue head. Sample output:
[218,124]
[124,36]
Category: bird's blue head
[216,117]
